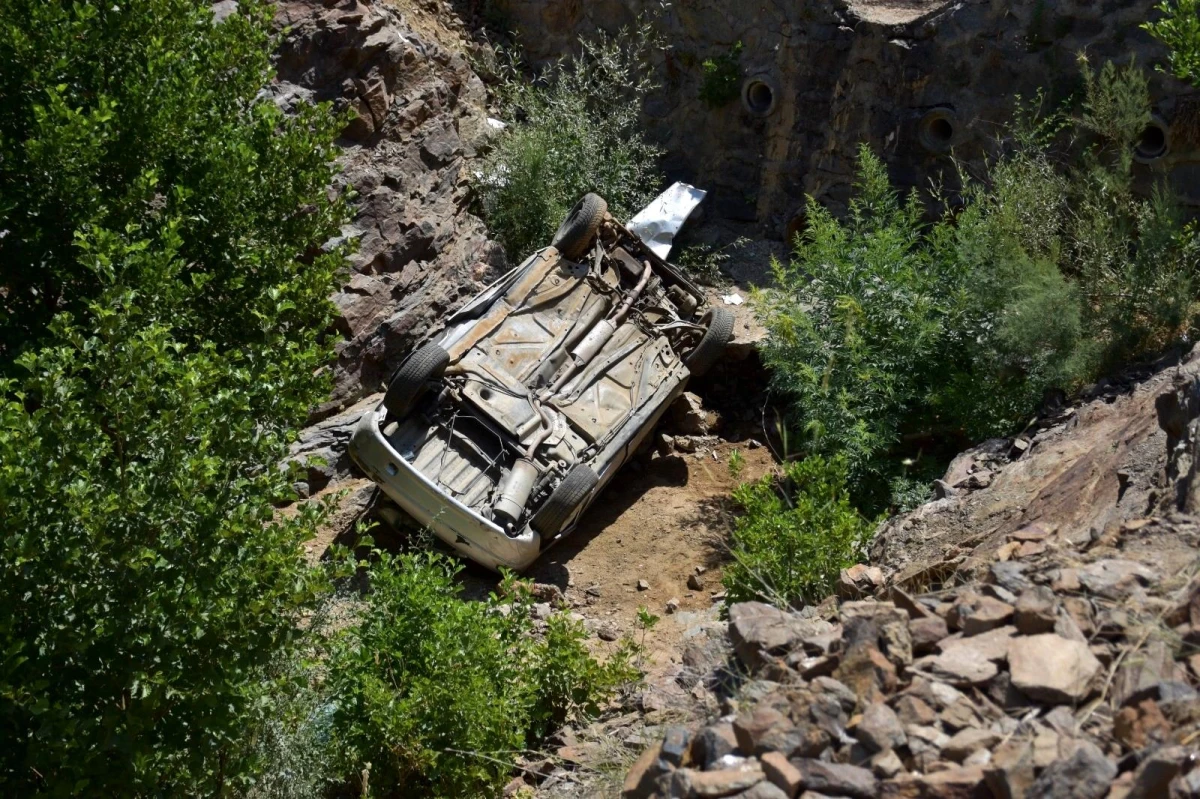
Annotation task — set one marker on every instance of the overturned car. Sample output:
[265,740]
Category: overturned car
[501,429]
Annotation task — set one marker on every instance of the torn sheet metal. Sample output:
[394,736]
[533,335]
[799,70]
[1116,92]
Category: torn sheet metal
[658,222]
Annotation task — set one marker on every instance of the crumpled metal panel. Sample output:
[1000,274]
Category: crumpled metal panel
[658,222]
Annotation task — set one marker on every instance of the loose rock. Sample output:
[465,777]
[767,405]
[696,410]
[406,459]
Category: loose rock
[1050,668]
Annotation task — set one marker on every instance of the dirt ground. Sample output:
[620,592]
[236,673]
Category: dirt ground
[662,520]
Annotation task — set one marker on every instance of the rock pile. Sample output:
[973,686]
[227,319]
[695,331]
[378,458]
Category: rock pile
[1050,657]
[1002,688]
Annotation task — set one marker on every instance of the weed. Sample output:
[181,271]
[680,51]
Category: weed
[737,463]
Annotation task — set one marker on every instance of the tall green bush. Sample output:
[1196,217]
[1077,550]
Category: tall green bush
[573,130]
[436,696]
[893,337]
[162,302]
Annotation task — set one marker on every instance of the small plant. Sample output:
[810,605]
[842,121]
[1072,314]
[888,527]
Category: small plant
[704,262]
[722,77]
[645,622]
[737,463]
[795,536]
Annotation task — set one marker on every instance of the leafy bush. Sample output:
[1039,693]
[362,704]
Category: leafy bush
[703,262]
[438,695]
[722,78]
[795,535]
[573,130]
[1179,29]
[891,336]
[848,345]
[160,337]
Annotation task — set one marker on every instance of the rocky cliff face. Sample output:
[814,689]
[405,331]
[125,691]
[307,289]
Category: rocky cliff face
[420,119]
[911,78]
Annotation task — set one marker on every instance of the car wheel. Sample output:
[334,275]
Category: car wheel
[579,228]
[563,501]
[411,380]
[718,324]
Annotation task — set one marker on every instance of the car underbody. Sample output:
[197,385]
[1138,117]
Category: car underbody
[500,430]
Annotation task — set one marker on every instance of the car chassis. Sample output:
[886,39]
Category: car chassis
[499,430]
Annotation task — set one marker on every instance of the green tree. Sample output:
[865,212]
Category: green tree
[162,302]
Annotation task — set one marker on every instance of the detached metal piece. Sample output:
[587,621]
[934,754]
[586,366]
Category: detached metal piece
[658,222]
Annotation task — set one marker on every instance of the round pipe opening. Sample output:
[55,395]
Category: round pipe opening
[758,97]
[1154,141]
[937,130]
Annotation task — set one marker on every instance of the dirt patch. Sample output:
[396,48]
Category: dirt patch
[660,521]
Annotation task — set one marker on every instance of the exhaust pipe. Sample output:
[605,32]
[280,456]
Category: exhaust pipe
[599,335]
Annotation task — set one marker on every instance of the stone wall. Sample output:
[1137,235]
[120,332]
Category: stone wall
[869,72]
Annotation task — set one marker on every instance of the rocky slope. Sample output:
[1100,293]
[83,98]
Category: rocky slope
[420,119]
[1035,632]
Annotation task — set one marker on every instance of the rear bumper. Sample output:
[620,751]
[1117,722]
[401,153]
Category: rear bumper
[465,531]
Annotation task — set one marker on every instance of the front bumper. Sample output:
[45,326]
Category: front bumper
[465,531]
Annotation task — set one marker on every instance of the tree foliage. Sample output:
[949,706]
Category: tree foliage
[890,335]
[1179,29]
[162,303]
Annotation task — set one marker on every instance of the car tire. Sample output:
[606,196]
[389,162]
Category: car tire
[718,323]
[579,228]
[411,380]
[564,500]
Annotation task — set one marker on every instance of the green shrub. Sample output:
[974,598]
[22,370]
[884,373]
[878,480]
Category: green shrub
[575,129]
[439,695]
[722,78]
[891,336]
[160,337]
[853,322]
[1179,29]
[703,262]
[795,535]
